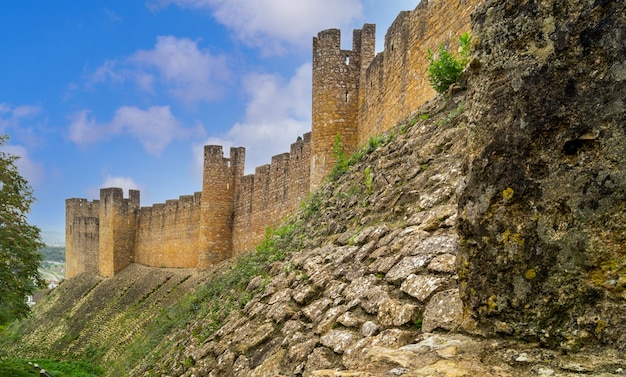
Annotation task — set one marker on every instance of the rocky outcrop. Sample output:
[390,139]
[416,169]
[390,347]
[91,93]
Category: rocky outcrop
[376,270]
[543,215]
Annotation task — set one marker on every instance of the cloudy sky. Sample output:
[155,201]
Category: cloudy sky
[119,93]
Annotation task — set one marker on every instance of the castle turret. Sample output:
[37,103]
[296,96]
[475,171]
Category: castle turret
[336,85]
[81,236]
[219,185]
[118,220]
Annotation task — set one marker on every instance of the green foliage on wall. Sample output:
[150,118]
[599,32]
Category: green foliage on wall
[444,68]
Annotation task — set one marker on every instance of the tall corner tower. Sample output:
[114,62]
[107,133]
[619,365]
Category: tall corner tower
[219,185]
[335,102]
[118,222]
[81,236]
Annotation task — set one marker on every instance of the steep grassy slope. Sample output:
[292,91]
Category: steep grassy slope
[92,318]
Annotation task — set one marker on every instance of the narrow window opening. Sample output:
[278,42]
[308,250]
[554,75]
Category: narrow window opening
[347,59]
[347,96]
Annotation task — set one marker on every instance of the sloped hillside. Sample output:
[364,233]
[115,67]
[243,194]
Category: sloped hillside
[92,317]
[360,282]
[374,265]
[368,260]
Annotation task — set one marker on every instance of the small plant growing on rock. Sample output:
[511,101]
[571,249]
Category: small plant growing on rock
[369,180]
[418,323]
[341,162]
[444,68]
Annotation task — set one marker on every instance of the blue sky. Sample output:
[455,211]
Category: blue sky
[121,93]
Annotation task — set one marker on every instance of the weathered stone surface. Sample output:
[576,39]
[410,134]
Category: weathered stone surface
[384,264]
[241,368]
[338,340]
[447,368]
[335,289]
[544,205]
[315,310]
[422,286]
[369,328]
[251,335]
[322,358]
[443,263]
[292,327]
[355,355]
[398,357]
[349,319]
[329,319]
[322,276]
[304,294]
[225,362]
[280,296]
[408,266]
[443,311]
[280,312]
[373,233]
[396,313]
[271,365]
[340,373]
[441,244]
[435,342]
[301,351]
[358,287]
[373,298]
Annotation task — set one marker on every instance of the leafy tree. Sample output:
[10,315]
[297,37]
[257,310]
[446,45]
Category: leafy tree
[445,69]
[19,241]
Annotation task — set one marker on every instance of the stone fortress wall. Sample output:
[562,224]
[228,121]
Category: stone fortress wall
[356,94]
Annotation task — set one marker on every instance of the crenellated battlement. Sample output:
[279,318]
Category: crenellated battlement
[194,231]
[355,94]
[117,230]
[81,235]
[336,91]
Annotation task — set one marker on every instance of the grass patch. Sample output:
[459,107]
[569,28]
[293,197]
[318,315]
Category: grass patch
[342,163]
[21,367]
[210,305]
[453,114]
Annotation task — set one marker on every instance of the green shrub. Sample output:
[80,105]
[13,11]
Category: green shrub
[445,68]
[341,162]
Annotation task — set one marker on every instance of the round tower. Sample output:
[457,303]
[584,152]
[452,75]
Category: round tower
[335,102]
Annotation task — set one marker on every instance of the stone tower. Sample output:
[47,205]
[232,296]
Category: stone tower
[118,220]
[219,185]
[81,236]
[336,86]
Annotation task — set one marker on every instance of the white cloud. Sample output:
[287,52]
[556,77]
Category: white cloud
[125,183]
[185,71]
[274,25]
[112,16]
[11,116]
[278,112]
[154,127]
[106,72]
[84,129]
[28,168]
